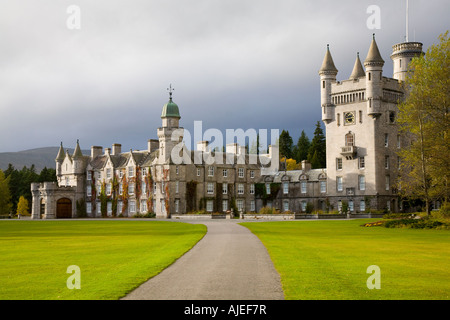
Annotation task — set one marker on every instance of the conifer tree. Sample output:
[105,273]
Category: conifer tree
[5,195]
[318,145]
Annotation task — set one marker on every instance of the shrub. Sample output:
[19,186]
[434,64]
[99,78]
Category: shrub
[399,215]
[416,224]
[267,210]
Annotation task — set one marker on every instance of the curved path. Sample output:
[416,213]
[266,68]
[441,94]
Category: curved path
[229,263]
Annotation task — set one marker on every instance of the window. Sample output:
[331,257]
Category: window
[210,171]
[360,117]
[88,190]
[286,205]
[162,186]
[303,203]
[154,187]
[323,186]
[177,186]
[398,141]
[108,189]
[340,206]
[338,163]
[209,205]
[388,182]
[99,208]
[240,188]
[177,170]
[339,183]
[386,140]
[108,173]
[119,207]
[225,173]
[362,206]
[224,205]
[349,140]
[370,76]
[252,205]
[177,205]
[210,188]
[130,171]
[198,172]
[241,172]
[303,186]
[388,205]
[109,207]
[144,171]
[252,188]
[267,188]
[398,163]
[362,182]
[285,187]
[386,162]
[391,117]
[89,175]
[361,162]
[252,174]
[132,206]
[350,205]
[131,188]
[144,206]
[88,207]
[144,187]
[224,188]
[338,119]
[240,204]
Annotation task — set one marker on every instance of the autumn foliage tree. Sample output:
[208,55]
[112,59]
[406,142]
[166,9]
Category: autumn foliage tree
[423,120]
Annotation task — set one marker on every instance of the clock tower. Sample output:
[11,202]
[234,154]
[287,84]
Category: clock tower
[359,114]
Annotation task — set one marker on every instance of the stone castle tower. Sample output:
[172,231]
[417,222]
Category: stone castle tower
[359,114]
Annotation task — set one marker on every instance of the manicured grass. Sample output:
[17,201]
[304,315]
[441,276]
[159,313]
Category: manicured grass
[114,257]
[328,260]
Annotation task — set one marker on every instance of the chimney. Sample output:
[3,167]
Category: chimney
[116,149]
[153,144]
[107,151]
[202,146]
[232,148]
[96,151]
[241,150]
[306,166]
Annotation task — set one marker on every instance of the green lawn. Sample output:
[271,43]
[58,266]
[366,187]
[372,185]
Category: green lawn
[320,260]
[113,256]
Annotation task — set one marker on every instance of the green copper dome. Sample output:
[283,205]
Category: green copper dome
[170,109]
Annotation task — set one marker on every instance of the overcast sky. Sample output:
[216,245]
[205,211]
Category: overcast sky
[233,63]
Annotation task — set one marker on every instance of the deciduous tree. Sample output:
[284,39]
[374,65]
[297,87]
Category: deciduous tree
[423,119]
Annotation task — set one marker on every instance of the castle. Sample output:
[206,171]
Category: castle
[362,139]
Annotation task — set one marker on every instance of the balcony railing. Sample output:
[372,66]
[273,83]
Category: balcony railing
[349,152]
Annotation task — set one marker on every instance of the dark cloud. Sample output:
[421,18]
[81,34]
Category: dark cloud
[234,64]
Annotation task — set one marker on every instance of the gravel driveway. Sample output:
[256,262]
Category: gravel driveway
[229,263]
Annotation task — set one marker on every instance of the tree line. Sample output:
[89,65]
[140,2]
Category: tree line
[15,187]
[314,151]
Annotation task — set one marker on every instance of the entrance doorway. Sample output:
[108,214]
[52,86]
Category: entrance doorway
[64,208]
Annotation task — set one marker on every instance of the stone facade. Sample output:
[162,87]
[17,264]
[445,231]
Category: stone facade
[167,179]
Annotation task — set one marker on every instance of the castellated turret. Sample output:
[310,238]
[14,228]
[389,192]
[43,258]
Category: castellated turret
[328,73]
[374,79]
[402,54]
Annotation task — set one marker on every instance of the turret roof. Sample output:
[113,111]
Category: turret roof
[61,154]
[77,152]
[374,55]
[328,64]
[358,70]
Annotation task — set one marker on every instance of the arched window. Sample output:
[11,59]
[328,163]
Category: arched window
[349,139]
